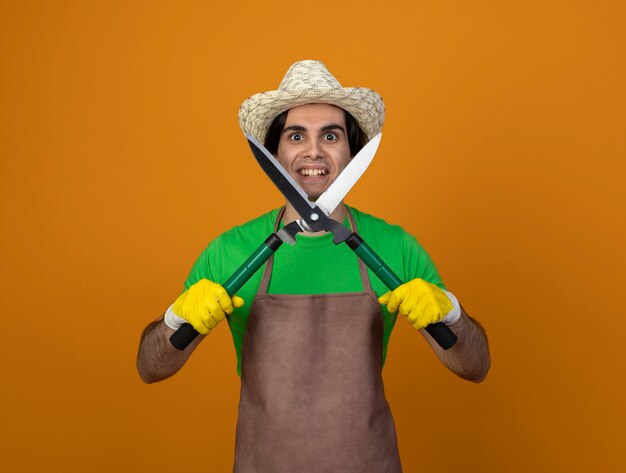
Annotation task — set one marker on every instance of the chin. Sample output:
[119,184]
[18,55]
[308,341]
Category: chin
[315,194]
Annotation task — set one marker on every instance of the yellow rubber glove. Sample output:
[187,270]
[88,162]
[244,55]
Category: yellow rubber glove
[203,305]
[421,302]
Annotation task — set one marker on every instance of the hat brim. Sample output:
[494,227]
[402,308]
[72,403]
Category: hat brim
[365,105]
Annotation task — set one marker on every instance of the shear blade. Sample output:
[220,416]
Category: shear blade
[314,216]
[332,197]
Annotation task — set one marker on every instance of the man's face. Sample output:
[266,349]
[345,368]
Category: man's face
[314,146]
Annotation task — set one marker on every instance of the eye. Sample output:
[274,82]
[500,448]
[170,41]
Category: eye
[330,137]
[296,137]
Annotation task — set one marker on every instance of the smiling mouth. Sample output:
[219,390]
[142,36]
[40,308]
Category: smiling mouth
[312,173]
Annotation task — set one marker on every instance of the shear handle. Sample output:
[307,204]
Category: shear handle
[186,333]
[439,331]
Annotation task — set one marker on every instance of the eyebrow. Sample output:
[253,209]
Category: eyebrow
[332,126]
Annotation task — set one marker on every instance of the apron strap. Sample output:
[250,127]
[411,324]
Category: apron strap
[267,273]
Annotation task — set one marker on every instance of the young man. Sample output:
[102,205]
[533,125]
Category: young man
[311,330]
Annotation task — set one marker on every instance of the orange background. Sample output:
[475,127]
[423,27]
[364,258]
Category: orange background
[121,158]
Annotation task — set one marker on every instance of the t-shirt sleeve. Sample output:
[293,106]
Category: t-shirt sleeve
[204,267]
[418,263]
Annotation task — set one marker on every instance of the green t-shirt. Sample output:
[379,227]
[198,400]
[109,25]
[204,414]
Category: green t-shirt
[314,265]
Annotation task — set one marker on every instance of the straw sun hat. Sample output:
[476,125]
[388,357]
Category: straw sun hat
[310,82]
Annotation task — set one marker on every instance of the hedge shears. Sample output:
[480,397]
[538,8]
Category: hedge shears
[314,217]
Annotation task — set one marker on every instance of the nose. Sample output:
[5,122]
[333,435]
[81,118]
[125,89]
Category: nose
[314,149]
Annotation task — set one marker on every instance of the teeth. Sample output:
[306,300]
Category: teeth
[312,172]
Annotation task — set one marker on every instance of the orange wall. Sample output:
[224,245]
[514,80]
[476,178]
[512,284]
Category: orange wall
[121,157]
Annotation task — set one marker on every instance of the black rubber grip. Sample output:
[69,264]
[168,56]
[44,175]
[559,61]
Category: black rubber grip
[183,336]
[442,335]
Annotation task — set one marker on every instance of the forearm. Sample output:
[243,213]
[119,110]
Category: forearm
[469,357]
[157,359]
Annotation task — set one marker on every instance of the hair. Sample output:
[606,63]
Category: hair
[356,136]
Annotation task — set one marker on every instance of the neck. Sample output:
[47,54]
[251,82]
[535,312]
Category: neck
[339,214]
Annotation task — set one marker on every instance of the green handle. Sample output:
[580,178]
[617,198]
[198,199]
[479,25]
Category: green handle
[186,333]
[377,265]
[439,331]
[248,268]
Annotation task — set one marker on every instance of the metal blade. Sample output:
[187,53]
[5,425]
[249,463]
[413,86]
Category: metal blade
[281,179]
[288,233]
[335,193]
